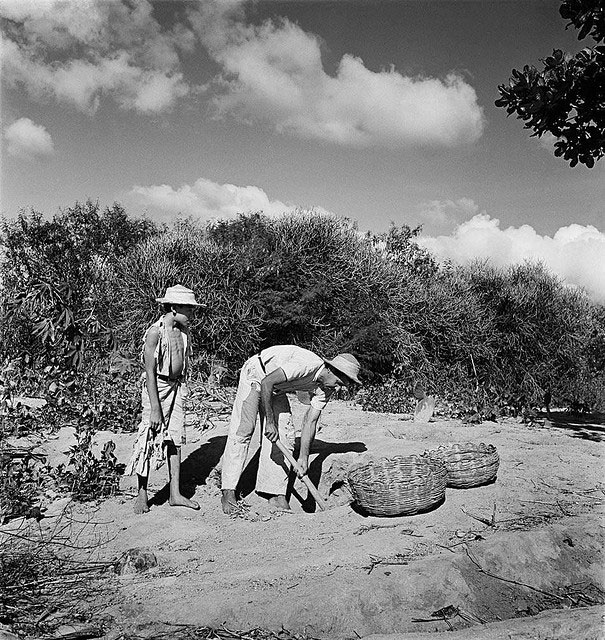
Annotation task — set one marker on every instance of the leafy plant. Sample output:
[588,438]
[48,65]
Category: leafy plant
[567,97]
[86,476]
[23,474]
[54,282]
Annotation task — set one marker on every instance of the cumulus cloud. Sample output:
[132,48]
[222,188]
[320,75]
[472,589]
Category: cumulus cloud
[80,52]
[444,215]
[206,200]
[25,139]
[576,253]
[273,74]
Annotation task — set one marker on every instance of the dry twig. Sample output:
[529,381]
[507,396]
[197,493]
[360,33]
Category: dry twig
[44,585]
[398,558]
[369,527]
[520,584]
[490,523]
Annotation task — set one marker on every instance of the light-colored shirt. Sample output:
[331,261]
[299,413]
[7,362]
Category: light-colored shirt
[302,368]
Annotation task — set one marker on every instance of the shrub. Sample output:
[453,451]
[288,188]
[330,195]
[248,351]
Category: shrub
[54,279]
[226,329]
[82,287]
[23,475]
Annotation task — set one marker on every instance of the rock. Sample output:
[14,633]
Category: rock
[424,409]
[76,630]
[136,560]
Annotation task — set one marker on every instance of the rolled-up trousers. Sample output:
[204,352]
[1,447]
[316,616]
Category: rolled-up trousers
[273,469]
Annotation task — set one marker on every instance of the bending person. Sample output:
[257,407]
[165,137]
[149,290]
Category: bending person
[264,381]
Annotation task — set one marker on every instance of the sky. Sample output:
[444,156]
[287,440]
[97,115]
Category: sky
[379,111]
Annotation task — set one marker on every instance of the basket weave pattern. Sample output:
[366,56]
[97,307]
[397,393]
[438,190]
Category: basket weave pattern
[468,465]
[401,485]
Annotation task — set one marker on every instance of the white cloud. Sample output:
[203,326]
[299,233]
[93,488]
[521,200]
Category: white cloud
[206,200]
[575,253]
[444,215]
[83,51]
[79,52]
[28,140]
[273,74]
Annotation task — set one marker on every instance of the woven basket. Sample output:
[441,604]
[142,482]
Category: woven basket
[398,486]
[468,465]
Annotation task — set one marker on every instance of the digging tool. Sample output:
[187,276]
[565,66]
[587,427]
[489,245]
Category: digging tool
[321,503]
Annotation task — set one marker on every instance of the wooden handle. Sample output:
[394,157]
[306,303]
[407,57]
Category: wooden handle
[321,503]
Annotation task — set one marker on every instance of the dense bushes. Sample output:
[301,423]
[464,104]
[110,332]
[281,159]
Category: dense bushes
[81,289]
[56,277]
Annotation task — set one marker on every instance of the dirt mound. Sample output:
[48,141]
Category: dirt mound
[584,624]
[348,591]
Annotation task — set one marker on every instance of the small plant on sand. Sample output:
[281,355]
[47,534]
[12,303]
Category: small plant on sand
[87,476]
[391,397]
[23,474]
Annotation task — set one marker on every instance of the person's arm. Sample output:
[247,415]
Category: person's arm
[307,434]
[156,418]
[266,393]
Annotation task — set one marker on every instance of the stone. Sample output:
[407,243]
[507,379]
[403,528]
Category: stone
[136,560]
[424,409]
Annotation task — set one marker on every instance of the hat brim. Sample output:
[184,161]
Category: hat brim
[344,373]
[184,304]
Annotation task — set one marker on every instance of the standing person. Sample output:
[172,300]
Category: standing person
[166,353]
[264,381]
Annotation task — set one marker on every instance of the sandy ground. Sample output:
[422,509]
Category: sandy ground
[513,557]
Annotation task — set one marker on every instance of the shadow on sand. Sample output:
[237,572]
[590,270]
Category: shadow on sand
[198,465]
[321,448]
[195,469]
[590,426]
[362,512]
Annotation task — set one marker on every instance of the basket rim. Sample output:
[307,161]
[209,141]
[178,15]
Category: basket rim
[419,459]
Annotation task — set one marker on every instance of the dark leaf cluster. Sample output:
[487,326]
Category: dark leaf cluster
[587,16]
[567,97]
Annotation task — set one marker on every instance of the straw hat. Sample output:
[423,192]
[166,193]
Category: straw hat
[179,295]
[347,364]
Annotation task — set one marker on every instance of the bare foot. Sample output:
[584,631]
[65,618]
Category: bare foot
[279,503]
[229,501]
[140,504]
[181,501]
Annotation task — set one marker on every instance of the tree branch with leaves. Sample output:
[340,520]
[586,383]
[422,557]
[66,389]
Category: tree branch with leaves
[567,97]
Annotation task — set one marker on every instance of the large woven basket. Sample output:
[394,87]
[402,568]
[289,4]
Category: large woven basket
[397,486]
[468,465]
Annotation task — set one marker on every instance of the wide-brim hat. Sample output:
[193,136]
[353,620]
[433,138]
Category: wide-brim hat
[180,295]
[346,363]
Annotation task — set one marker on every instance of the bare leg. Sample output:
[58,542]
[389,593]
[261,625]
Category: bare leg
[229,501]
[141,504]
[174,469]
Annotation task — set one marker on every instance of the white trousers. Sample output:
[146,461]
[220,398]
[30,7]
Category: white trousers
[273,469]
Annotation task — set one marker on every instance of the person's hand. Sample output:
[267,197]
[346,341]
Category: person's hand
[156,419]
[169,319]
[303,464]
[271,431]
